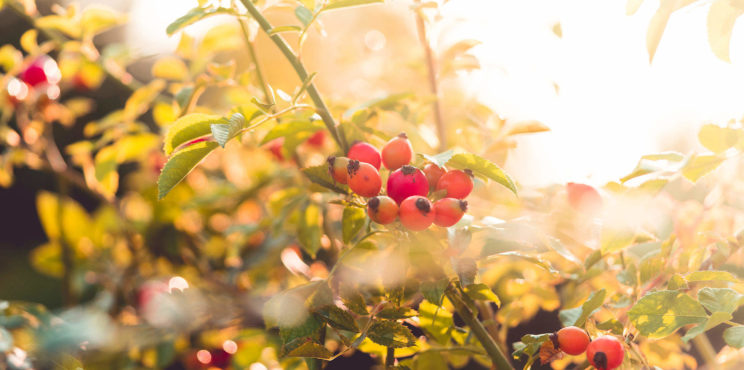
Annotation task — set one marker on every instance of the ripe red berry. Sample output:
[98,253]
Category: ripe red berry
[433,174]
[583,197]
[572,340]
[365,152]
[457,183]
[448,211]
[337,166]
[317,139]
[275,147]
[605,353]
[405,182]
[382,209]
[397,152]
[416,213]
[363,178]
[43,70]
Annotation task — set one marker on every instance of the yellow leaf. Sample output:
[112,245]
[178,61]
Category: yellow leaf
[28,41]
[66,25]
[164,113]
[632,6]
[659,21]
[721,18]
[223,37]
[98,19]
[717,139]
[558,30]
[185,46]
[139,102]
[527,127]
[10,57]
[47,259]
[170,68]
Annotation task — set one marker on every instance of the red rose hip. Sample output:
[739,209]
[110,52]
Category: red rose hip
[416,213]
[363,178]
[605,353]
[433,174]
[458,183]
[365,152]
[337,166]
[572,340]
[583,197]
[43,70]
[397,152]
[382,209]
[448,211]
[317,139]
[405,182]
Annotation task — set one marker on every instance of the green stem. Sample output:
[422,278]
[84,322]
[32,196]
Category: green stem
[254,58]
[476,327]
[320,105]
[706,350]
[430,67]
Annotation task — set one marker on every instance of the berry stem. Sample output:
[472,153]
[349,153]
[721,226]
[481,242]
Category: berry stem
[430,66]
[284,47]
[471,319]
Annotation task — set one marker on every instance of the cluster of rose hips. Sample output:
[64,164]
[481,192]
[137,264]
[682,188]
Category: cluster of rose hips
[604,353]
[407,186]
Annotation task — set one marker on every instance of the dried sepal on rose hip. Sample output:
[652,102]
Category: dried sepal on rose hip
[363,178]
[337,166]
[365,152]
[448,211]
[458,184]
[571,339]
[433,174]
[397,153]
[405,182]
[605,353]
[416,213]
[382,210]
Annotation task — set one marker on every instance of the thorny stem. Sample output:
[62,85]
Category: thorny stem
[431,69]
[320,105]
[476,327]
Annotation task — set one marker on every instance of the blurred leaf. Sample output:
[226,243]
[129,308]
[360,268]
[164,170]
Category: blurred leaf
[436,321]
[715,138]
[556,245]
[458,49]
[734,336]
[527,127]
[659,314]
[309,231]
[319,175]
[613,240]
[440,159]
[482,167]
[10,57]
[304,15]
[222,37]
[281,29]
[433,291]
[28,41]
[557,30]
[141,99]
[67,25]
[720,299]
[189,127]
[181,163]
[6,340]
[223,133]
[170,68]
[106,173]
[677,282]
[338,318]
[293,128]
[722,16]
[337,4]
[717,318]
[631,6]
[651,268]
[194,15]
[482,292]
[354,219]
[391,334]
[659,22]
[47,259]
[97,19]
[353,300]
[577,316]
[712,276]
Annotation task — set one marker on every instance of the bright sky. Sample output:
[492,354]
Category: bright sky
[612,106]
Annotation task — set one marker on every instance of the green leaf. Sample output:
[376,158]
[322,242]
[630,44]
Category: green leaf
[391,312]
[309,231]
[699,276]
[304,15]
[717,139]
[338,4]
[659,314]
[701,165]
[717,318]
[222,133]
[577,316]
[440,159]
[338,318]
[613,240]
[436,321]
[354,219]
[187,128]
[433,291]
[482,167]
[482,292]
[593,258]
[181,163]
[391,334]
[734,336]
[306,347]
[194,15]
[720,299]
[319,175]
[293,128]
[353,300]
[677,282]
